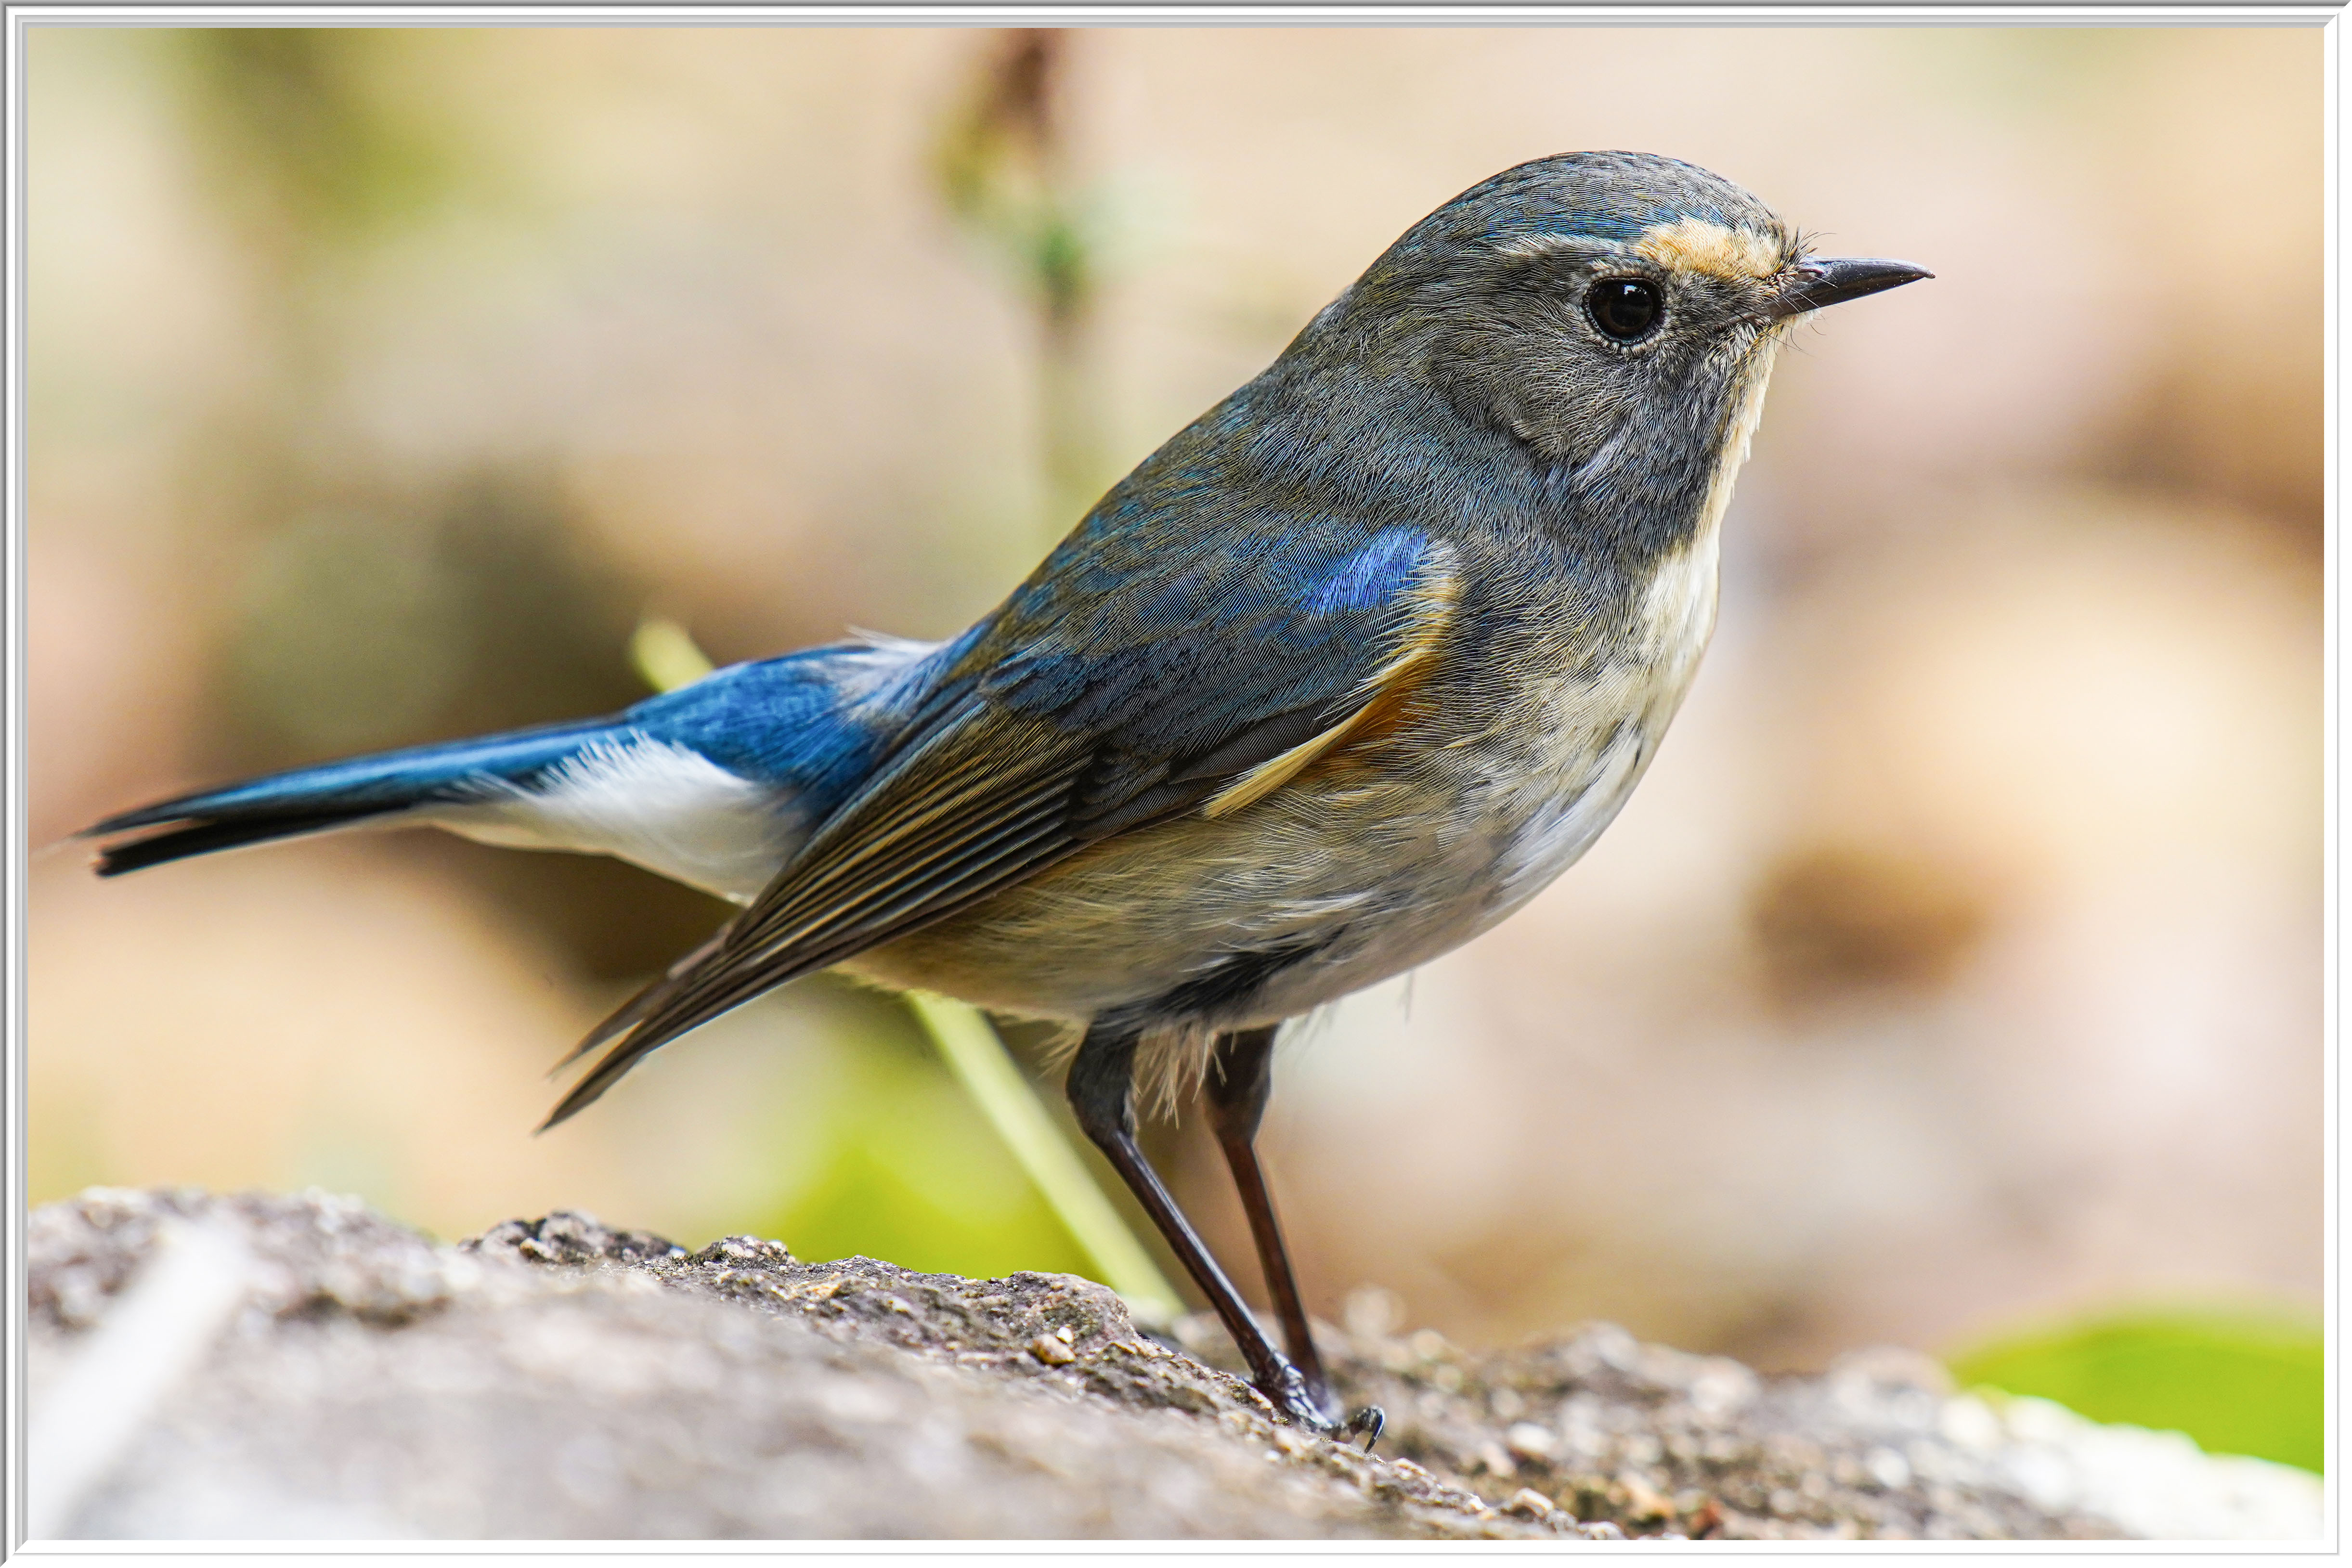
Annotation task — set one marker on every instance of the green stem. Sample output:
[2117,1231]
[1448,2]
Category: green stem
[665,655]
[975,1053]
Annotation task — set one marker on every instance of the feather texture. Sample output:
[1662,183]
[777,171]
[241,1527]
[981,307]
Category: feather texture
[1002,777]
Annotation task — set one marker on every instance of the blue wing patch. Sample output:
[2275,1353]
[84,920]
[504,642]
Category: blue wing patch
[813,722]
[1373,575]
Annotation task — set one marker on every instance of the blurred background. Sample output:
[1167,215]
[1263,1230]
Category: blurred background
[1954,980]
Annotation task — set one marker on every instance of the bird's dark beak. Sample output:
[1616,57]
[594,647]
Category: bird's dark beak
[1836,279]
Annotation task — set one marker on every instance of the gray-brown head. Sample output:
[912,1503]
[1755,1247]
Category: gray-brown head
[1612,311]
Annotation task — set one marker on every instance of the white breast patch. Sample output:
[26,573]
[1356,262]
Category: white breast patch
[1556,836]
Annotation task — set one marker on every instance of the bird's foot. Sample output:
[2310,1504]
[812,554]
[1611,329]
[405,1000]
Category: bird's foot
[1314,1408]
[1285,1389]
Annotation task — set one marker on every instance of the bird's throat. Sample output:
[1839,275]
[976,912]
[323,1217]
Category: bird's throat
[1739,430]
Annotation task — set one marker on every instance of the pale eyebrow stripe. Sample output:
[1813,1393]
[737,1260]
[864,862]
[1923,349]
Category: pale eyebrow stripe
[1686,245]
[1700,244]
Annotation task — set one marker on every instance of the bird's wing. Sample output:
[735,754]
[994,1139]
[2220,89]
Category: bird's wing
[1112,691]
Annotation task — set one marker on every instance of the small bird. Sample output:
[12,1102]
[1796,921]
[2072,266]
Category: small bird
[1339,677]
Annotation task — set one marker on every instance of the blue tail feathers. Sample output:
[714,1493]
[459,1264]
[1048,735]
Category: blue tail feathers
[807,725]
[336,794]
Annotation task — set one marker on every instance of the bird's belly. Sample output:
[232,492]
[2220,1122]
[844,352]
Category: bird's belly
[1348,876]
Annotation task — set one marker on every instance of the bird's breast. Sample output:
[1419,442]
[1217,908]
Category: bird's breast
[1581,710]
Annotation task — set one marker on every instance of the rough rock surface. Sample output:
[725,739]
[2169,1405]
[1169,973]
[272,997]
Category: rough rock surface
[553,1378]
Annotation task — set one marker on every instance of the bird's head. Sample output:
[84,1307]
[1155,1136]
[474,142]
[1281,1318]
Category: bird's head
[1616,311]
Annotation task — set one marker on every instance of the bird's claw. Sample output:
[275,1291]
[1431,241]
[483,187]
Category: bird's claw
[1287,1391]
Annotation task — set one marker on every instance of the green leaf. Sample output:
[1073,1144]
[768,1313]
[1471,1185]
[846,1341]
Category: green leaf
[2238,1382]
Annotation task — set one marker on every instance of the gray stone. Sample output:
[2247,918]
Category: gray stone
[556,1379]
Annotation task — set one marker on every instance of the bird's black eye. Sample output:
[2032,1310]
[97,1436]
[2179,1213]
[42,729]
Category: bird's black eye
[1624,308]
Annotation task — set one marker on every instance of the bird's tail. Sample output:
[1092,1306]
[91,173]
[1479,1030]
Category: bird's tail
[335,794]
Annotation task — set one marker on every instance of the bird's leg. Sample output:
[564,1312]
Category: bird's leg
[1239,1080]
[1241,1075]
[1100,1088]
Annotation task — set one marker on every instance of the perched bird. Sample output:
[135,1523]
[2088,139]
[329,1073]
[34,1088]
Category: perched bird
[1335,680]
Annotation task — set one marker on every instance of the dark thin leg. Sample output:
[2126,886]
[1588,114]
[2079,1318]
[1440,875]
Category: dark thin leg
[1238,1087]
[1098,1090]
